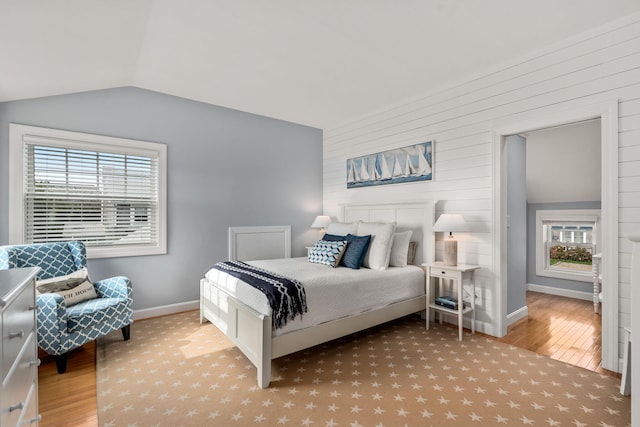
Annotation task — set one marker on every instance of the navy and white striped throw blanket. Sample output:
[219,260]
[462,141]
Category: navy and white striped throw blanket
[286,297]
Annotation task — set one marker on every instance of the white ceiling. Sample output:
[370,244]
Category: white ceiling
[317,63]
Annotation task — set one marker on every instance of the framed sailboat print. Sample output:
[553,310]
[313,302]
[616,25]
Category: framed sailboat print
[407,164]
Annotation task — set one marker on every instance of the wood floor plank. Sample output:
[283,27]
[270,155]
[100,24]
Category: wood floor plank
[69,399]
[562,328]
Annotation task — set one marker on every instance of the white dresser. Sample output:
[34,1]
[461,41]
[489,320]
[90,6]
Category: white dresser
[19,396]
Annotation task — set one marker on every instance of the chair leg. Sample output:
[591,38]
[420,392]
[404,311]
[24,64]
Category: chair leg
[61,363]
[126,332]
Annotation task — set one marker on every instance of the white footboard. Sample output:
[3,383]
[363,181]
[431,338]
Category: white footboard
[249,330]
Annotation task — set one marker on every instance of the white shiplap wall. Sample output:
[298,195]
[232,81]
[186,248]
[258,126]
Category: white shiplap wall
[599,66]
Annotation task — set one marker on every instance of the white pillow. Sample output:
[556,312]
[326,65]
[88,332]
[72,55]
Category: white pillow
[342,228]
[74,288]
[400,249]
[377,257]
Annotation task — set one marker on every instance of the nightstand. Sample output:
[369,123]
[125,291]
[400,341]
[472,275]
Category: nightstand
[308,250]
[462,275]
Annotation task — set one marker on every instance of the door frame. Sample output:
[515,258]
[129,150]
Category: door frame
[542,118]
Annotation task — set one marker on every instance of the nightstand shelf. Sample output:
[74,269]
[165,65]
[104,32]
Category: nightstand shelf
[462,275]
[449,310]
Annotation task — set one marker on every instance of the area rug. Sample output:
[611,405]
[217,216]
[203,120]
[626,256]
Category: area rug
[176,372]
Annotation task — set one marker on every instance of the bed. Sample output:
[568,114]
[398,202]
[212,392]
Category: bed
[247,322]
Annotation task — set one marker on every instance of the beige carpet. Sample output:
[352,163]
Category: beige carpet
[175,372]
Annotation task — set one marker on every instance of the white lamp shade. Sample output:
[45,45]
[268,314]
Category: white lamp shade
[448,223]
[321,221]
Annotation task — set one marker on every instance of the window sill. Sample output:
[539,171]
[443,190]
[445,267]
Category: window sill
[563,274]
[124,251]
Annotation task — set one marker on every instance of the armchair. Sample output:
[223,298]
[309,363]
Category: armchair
[61,328]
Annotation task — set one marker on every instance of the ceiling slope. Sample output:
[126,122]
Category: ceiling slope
[56,47]
[317,63]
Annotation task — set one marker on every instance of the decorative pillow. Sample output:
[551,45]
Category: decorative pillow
[326,252]
[400,249]
[356,249]
[342,228]
[377,257]
[74,288]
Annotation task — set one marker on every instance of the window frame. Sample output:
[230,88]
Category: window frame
[90,142]
[543,268]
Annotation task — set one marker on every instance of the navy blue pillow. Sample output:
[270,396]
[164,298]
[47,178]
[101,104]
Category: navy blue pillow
[356,249]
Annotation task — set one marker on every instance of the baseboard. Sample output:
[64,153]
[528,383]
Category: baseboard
[517,315]
[481,326]
[484,328]
[587,296]
[165,309]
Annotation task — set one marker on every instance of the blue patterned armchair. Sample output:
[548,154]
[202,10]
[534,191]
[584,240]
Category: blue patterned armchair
[61,328]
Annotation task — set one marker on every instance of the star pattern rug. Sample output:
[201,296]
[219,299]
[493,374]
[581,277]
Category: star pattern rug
[176,372]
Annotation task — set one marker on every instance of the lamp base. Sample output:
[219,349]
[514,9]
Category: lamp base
[450,251]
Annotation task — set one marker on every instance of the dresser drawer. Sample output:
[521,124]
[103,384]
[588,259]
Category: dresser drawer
[18,320]
[445,274]
[29,414]
[16,386]
[24,413]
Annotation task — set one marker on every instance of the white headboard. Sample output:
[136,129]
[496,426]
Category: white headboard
[252,243]
[417,217]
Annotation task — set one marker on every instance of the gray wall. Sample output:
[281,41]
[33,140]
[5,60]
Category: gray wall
[225,168]
[517,227]
[532,277]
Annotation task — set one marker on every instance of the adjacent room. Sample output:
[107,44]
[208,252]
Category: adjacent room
[553,211]
[332,213]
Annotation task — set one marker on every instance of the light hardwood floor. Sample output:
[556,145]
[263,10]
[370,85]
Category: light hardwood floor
[562,328]
[69,399]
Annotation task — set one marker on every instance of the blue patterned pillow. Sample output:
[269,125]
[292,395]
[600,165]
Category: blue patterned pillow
[326,252]
[356,249]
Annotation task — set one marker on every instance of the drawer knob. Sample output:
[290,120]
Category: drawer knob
[19,334]
[444,272]
[35,362]
[17,406]
[35,420]
[33,307]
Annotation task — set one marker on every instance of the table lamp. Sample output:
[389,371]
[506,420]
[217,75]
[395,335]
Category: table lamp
[448,223]
[321,222]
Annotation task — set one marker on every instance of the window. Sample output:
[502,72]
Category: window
[108,192]
[566,240]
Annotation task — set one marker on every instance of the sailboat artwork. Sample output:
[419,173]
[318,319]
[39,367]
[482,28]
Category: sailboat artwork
[407,164]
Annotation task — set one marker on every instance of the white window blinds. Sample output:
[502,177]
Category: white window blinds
[107,195]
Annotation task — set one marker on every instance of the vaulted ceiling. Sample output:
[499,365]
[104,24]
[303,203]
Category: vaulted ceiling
[315,62]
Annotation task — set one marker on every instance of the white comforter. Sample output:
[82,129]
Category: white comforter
[332,293]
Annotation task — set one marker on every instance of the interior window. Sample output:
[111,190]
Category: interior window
[569,246]
[566,241]
[108,192]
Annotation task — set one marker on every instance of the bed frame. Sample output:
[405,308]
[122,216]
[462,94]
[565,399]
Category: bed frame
[251,331]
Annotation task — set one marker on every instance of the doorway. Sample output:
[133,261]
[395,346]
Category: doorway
[553,206]
[553,117]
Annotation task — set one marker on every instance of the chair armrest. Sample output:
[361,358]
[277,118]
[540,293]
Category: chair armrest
[52,303]
[52,321]
[114,287]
